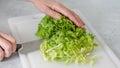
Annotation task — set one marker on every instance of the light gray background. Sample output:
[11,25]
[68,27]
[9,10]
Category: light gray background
[104,15]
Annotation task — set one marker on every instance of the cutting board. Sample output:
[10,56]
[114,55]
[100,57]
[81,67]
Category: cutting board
[24,28]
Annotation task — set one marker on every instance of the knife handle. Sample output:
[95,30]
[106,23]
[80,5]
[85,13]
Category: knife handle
[18,46]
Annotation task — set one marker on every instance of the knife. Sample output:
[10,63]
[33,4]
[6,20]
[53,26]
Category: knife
[28,46]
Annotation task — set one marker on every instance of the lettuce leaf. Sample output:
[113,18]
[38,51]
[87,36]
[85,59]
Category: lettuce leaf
[63,41]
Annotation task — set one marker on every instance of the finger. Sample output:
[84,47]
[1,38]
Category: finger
[6,46]
[65,11]
[45,9]
[10,39]
[51,12]
[80,21]
[1,54]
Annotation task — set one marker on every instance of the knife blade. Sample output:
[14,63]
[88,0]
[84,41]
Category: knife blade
[28,46]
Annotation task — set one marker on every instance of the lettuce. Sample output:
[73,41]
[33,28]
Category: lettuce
[64,42]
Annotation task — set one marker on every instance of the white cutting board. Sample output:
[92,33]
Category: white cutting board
[24,28]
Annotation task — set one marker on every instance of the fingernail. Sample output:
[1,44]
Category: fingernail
[82,26]
[58,16]
[0,60]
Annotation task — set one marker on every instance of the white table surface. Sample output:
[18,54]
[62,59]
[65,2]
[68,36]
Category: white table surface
[103,14]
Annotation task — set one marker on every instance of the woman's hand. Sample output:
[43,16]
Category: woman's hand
[7,45]
[54,9]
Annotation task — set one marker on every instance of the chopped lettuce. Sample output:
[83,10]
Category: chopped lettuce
[63,41]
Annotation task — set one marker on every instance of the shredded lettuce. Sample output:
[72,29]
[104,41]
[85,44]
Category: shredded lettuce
[64,42]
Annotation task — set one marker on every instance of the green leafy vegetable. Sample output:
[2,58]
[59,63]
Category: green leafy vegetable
[63,41]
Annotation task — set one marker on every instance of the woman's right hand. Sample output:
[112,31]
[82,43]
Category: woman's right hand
[54,9]
[7,45]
